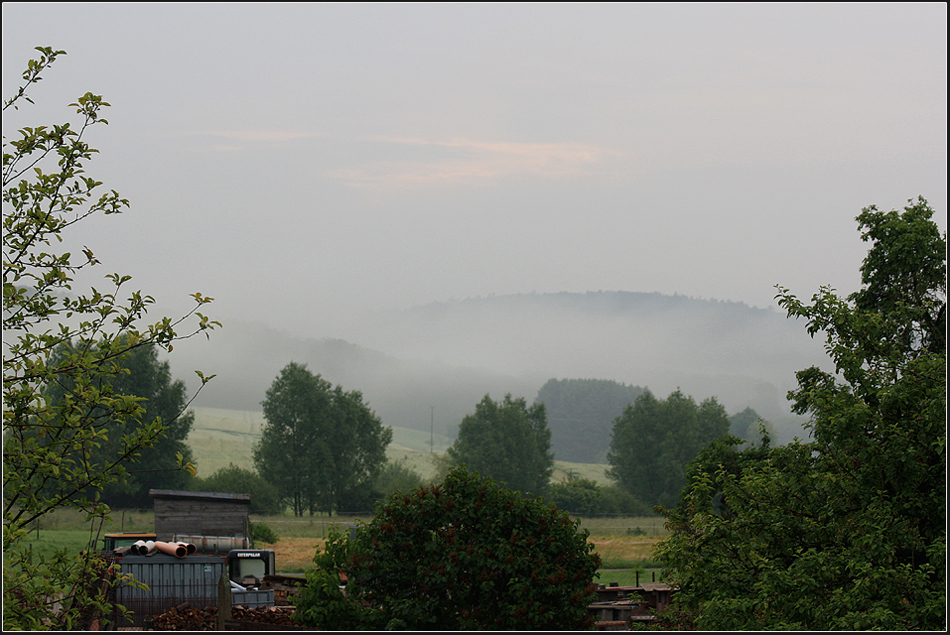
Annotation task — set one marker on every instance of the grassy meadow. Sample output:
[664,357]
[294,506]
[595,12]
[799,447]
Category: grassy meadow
[624,544]
[220,437]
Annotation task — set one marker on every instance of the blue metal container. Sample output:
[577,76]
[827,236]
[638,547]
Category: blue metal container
[171,582]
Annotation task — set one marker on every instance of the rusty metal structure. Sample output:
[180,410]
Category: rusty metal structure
[619,607]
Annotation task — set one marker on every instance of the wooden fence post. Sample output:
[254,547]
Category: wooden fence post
[224,601]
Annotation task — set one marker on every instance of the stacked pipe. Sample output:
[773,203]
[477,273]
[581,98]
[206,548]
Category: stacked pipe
[150,547]
[177,549]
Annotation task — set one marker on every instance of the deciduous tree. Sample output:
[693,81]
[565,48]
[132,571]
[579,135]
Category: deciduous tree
[149,380]
[507,441]
[847,531]
[50,448]
[322,448]
[654,439]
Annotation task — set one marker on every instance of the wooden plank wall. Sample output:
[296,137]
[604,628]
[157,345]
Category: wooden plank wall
[199,517]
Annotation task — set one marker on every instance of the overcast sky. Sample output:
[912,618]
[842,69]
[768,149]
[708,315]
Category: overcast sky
[304,163]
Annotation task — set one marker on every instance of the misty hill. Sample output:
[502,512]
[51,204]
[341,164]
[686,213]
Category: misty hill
[425,368]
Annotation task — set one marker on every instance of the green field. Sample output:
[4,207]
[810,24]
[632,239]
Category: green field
[220,437]
[625,544]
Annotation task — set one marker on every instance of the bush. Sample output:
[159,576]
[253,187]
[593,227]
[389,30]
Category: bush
[397,476]
[471,554]
[261,533]
[238,480]
[584,497]
[320,602]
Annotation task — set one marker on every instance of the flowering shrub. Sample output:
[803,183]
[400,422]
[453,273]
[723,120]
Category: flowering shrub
[471,554]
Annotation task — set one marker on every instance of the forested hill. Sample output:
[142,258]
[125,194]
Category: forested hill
[581,413]
[430,365]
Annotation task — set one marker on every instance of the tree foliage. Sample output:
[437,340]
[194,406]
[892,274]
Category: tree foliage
[654,439]
[148,380]
[581,413]
[51,448]
[234,479]
[471,554]
[508,441]
[847,531]
[749,426]
[584,497]
[322,448]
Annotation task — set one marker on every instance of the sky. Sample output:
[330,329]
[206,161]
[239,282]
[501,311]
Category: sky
[306,163]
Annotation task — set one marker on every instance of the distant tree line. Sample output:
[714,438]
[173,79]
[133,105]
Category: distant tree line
[323,450]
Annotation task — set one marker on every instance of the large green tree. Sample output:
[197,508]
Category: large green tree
[654,439]
[846,531]
[322,448]
[149,380]
[465,554]
[508,441]
[50,448]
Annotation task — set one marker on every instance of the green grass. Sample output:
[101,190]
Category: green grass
[69,529]
[46,542]
[625,526]
[220,437]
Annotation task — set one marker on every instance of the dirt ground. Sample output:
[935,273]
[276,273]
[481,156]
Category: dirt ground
[295,554]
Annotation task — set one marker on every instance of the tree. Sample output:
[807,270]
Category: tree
[904,275]
[49,449]
[748,425]
[234,479]
[653,440]
[507,441]
[149,380]
[846,531]
[321,447]
[469,554]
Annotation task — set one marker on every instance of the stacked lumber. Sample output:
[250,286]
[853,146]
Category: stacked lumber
[188,618]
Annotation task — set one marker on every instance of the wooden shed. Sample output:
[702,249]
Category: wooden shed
[200,513]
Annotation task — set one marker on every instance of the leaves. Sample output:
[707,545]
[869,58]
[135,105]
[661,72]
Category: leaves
[322,448]
[470,554]
[653,440]
[63,354]
[507,441]
[847,531]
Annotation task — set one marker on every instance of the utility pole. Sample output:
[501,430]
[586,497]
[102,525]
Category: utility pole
[431,428]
